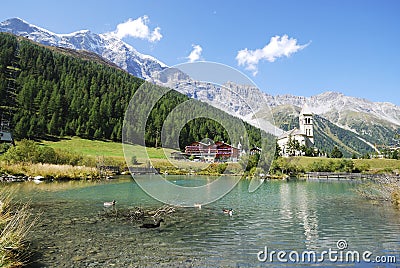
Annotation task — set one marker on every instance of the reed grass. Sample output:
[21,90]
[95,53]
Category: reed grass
[15,223]
[51,170]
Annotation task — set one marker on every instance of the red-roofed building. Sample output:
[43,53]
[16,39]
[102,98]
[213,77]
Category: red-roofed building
[211,152]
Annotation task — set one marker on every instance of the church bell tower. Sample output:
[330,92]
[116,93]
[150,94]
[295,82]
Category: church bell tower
[306,123]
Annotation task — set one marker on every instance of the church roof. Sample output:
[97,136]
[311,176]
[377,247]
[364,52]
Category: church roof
[5,137]
[306,110]
[293,132]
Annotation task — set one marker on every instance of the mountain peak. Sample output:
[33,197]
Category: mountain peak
[106,45]
[21,27]
[329,94]
[80,32]
[14,21]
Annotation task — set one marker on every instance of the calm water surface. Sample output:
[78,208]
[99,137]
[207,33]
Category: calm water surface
[302,215]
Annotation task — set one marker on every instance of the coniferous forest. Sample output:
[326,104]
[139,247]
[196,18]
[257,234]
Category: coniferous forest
[58,93]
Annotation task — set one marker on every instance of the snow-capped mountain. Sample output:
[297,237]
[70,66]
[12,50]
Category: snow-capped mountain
[374,122]
[243,96]
[335,102]
[106,45]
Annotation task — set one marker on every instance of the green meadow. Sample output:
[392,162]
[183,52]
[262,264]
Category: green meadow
[372,165]
[107,149]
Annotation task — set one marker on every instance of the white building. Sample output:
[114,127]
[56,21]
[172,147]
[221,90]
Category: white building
[303,135]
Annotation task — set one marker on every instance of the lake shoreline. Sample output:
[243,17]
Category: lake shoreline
[52,172]
[46,172]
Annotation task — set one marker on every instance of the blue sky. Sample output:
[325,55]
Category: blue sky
[293,47]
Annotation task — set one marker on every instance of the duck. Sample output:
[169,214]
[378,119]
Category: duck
[152,225]
[228,211]
[109,204]
[197,206]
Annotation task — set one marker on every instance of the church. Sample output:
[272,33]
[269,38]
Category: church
[303,135]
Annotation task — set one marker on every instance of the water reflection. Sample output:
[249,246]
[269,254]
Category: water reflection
[178,194]
[298,205]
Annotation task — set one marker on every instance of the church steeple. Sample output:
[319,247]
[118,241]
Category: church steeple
[306,123]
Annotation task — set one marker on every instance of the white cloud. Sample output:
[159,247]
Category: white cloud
[195,54]
[277,48]
[138,28]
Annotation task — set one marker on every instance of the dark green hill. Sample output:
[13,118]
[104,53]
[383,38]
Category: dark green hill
[60,92]
[368,126]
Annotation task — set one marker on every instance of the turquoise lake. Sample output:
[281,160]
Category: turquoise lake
[72,230]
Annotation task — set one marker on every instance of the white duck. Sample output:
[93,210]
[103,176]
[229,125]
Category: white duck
[109,204]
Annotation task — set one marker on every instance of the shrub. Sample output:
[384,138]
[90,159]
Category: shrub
[363,167]
[64,157]
[247,162]
[317,166]
[4,147]
[221,168]
[284,165]
[28,151]
[336,153]
[343,165]
[134,160]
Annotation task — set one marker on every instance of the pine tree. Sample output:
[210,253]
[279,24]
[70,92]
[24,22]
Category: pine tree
[336,153]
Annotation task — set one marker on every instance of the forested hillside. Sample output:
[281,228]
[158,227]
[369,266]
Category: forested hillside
[327,135]
[59,93]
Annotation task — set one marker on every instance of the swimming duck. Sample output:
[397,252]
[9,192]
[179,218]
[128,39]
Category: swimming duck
[109,204]
[228,211]
[152,225]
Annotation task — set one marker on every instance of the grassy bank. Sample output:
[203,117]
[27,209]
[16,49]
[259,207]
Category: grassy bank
[29,158]
[50,171]
[303,163]
[108,149]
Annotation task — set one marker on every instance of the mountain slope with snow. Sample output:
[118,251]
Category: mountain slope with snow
[106,45]
[374,122]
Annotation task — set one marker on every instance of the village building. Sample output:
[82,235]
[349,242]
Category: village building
[6,137]
[211,152]
[5,131]
[303,136]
